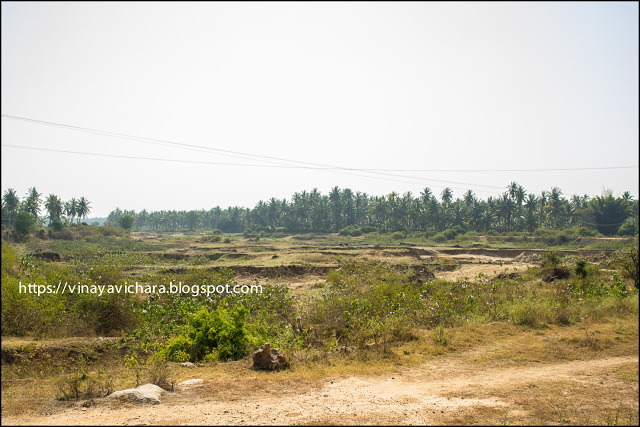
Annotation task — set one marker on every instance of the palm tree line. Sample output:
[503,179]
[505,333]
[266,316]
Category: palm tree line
[57,210]
[514,210]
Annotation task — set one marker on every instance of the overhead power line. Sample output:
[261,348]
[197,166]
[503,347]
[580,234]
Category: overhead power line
[208,163]
[258,157]
[320,166]
[502,170]
[277,161]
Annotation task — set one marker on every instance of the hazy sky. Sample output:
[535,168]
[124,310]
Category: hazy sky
[408,86]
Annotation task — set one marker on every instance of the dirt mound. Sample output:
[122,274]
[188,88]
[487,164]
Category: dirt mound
[171,255]
[504,276]
[72,349]
[277,271]
[47,256]
[173,270]
[500,253]
[334,253]
[411,252]
[238,256]
[520,254]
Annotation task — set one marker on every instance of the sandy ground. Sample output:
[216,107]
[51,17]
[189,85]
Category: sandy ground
[444,392]
[471,271]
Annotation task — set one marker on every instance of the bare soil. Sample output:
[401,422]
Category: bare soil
[444,392]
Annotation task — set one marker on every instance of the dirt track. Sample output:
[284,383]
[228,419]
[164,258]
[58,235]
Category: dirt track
[441,393]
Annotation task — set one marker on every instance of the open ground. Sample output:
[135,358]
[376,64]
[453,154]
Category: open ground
[481,372]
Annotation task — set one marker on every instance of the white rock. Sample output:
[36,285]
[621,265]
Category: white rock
[147,393]
[193,381]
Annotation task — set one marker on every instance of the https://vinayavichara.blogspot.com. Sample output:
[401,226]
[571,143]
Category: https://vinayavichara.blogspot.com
[138,288]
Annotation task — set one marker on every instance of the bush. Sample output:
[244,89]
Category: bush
[367,229]
[57,225]
[555,237]
[109,314]
[25,222]
[221,331]
[350,231]
[587,232]
[365,302]
[458,229]
[628,229]
[451,233]
[397,235]
[440,237]
[630,266]
[177,350]
[64,235]
[552,268]
[582,268]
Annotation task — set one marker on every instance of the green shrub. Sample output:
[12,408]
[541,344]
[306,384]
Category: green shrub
[221,331]
[440,237]
[397,235]
[582,268]
[628,229]
[587,232]
[220,334]
[552,268]
[24,224]
[365,302]
[350,231]
[451,233]
[177,350]
[109,314]
[57,225]
[630,265]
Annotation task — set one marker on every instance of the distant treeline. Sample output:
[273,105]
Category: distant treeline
[23,215]
[344,211]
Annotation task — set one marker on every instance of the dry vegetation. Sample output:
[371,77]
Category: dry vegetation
[523,363]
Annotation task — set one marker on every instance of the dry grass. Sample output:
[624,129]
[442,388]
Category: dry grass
[605,396]
[601,396]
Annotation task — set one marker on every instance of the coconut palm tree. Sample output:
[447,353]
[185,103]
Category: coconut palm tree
[83,208]
[71,208]
[446,196]
[10,205]
[32,202]
[554,205]
[53,205]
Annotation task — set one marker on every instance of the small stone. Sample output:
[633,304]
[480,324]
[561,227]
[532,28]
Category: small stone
[189,382]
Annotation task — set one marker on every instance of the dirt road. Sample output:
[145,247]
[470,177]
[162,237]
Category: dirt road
[445,392]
